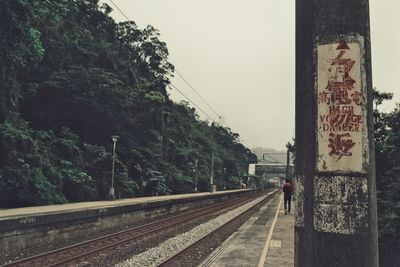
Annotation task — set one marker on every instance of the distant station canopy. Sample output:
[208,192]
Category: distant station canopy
[270,172]
[269,169]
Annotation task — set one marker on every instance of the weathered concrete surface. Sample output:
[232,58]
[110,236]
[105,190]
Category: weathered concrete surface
[338,227]
[281,250]
[245,247]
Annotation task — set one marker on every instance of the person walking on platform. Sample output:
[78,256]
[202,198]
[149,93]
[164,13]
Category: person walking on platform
[287,195]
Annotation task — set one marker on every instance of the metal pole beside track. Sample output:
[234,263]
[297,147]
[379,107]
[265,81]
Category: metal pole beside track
[112,191]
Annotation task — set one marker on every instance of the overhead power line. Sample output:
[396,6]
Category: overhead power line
[123,14]
[276,160]
[181,76]
[205,113]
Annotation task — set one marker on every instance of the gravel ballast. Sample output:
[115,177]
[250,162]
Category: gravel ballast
[168,248]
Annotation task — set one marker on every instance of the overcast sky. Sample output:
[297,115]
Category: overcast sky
[239,55]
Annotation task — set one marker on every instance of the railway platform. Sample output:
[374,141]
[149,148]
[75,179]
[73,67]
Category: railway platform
[281,246]
[267,239]
[17,218]
[22,228]
[48,209]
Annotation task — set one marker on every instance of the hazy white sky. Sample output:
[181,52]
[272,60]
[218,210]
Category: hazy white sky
[239,55]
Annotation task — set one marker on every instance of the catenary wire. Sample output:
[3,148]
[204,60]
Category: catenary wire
[123,14]
[205,113]
[274,158]
[180,75]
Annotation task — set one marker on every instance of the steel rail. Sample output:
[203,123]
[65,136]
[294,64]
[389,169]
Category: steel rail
[168,261]
[86,244]
[128,239]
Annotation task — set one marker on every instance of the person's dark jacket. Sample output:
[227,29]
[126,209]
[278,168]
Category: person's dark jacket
[287,189]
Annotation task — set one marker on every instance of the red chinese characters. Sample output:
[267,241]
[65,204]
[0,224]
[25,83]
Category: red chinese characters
[340,145]
[342,116]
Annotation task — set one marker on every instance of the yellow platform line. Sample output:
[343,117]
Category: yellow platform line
[263,256]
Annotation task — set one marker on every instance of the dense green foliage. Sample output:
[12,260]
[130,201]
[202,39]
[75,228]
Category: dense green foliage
[387,152]
[70,78]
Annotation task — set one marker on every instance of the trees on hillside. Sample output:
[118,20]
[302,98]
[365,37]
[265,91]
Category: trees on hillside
[20,51]
[387,153]
[70,78]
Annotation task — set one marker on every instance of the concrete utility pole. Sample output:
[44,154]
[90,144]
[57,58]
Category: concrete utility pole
[196,161]
[212,173]
[224,178]
[336,217]
[111,194]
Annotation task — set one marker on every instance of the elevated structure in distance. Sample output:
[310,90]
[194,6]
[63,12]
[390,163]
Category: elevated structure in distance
[269,173]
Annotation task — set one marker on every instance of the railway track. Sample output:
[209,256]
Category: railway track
[191,255]
[86,251]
